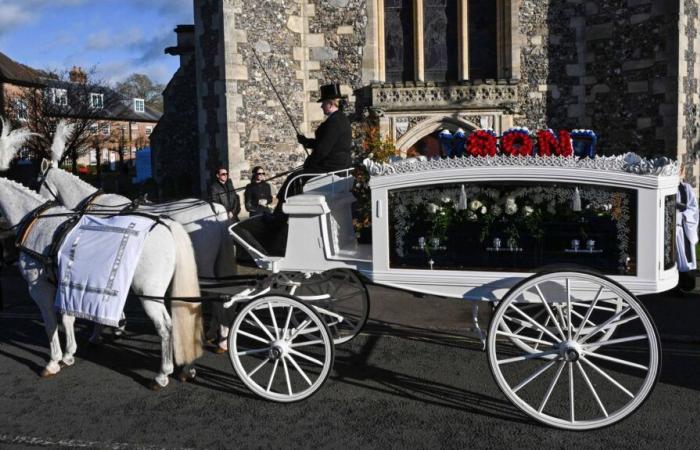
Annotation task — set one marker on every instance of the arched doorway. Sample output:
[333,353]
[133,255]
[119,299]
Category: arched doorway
[423,139]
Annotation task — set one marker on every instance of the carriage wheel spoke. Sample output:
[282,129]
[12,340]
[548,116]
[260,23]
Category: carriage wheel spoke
[286,323]
[301,328]
[253,351]
[260,324]
[306,357]
[527,356]
[254,337]
[525,338]
[306,343]
[569,324]
[301,372]
[534,375]
[272,375]
[551,387]
[539,336]
[286,376]
[608,377]
[572,406]
[532,321]
[259,366]
[549,310]
[617,341]
[592,389]
[615,360]
[610,323]
[523,325]
[584,321]
[274,321]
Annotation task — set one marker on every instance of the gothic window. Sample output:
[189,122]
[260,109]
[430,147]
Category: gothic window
[398,39]
[443,40]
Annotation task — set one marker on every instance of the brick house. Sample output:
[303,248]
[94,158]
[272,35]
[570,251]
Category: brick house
[121,124]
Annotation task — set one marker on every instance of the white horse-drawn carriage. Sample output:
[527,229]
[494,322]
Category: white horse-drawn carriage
[561,246]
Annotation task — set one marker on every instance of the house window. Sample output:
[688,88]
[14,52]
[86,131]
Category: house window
[59,97]
[443,40]
[139,105]
[149,130]
[93,128]
[96,100]
[21,110]
[134,126]
[105,129]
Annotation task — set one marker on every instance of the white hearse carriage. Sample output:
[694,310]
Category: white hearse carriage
[560,246]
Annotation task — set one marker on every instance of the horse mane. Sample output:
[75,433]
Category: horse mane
[29,192]
[78,181]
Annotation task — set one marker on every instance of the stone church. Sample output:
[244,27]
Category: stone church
[626,69]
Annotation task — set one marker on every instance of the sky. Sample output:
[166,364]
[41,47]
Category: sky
[116,37]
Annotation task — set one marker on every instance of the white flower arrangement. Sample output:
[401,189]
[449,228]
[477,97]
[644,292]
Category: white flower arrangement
[475,204]
[432,208]
[528,210]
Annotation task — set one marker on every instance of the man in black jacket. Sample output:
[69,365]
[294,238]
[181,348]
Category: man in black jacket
[222,191]
[332,144]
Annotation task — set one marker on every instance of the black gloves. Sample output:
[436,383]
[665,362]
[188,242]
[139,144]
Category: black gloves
[303,140]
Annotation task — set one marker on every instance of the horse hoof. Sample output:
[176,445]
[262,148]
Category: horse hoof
[184,377]
[46,374]
[154,386]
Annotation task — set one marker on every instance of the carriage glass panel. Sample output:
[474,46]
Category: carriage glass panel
[669,231]
[514,226]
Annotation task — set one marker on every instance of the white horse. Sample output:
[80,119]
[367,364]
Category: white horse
[207,224]
[167,259]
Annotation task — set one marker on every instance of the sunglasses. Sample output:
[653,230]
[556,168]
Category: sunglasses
[260,173]
[223,173]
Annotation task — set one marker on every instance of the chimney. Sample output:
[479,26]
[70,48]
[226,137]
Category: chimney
[77,75]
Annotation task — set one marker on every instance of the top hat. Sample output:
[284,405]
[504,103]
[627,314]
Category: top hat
[329,92]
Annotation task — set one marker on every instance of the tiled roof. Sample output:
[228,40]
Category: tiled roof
[15,72]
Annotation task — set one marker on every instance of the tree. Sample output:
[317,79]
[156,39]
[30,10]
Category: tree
[80,98]
[139,85]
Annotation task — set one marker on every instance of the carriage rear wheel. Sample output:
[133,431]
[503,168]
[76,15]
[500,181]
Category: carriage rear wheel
[339,296]
[593,358]
[280,348]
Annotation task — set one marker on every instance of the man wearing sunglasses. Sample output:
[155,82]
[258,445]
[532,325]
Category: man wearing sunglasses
[258,194]
[222,191]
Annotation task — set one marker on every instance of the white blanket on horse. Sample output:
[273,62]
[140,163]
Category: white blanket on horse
[96,264]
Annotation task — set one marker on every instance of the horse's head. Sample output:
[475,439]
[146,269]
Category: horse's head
[45,185]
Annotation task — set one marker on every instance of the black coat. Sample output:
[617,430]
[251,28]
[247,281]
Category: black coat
[255,192]
[332,146]
[226,195]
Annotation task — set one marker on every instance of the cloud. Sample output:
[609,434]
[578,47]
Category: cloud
[150,49]
[104,39]
[13,16]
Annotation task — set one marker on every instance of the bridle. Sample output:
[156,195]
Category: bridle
[42,183]
[82,207]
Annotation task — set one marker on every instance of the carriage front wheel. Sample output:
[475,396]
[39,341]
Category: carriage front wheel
[280,348]
[595,355]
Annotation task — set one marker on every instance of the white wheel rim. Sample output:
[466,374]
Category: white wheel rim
[574,377]
[276,359]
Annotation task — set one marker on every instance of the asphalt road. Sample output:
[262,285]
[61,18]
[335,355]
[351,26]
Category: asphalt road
[411,380]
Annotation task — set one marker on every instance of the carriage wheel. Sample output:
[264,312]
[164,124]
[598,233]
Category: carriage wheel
[275,358]
[339,296]
[571,377]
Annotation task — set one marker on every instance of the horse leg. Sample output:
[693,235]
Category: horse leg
[161,319]
[71,346]
[43,294]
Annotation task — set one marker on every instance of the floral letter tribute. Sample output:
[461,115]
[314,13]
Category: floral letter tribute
[516,142]
[482,143]
[549,145]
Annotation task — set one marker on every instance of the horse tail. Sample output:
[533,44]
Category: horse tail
[187,317]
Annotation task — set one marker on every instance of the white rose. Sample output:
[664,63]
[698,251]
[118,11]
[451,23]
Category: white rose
[432,208]
[510,201]
[511,208]
[446,200]
[474,205]
[527,210]
[496,210]
[483,210]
